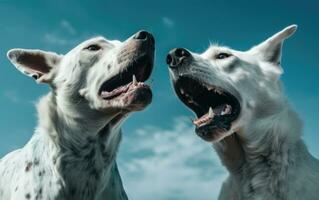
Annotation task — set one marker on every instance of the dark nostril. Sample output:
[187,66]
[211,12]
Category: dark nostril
[169,59]
[177,56]
[181,52]
[141,35]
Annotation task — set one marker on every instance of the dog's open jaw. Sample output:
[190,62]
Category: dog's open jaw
[129,85]
[104,78]
[221,84]
[215,108]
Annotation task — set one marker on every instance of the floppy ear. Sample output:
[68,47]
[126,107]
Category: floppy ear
[270,49]
[35,63]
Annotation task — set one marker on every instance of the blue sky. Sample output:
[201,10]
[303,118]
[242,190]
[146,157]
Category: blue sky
[167,160]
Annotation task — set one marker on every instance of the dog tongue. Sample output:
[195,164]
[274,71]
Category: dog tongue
[108,95]
[116,92]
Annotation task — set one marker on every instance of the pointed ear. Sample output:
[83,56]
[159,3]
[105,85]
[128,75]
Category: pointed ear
[270,49]
[35,63]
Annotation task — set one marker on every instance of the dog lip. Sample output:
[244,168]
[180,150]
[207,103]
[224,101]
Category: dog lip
[215,129]
[138,98]
[210,135]
[116,92]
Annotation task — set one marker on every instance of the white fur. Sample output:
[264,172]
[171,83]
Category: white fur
[263,151]
[72,152]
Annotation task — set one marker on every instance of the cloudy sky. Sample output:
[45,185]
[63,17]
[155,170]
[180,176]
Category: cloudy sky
[160,157]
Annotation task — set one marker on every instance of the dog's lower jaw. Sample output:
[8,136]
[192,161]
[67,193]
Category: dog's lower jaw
[140,99]
[135,100]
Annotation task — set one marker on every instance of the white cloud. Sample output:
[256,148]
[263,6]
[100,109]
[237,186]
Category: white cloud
[12,95]
[64,34]
[162,164]
[54,39]
[68,27]
[168,22]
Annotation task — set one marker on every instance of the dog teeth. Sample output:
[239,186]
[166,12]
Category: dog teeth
[227,110]
[134,80]
[210,112]
[210,88]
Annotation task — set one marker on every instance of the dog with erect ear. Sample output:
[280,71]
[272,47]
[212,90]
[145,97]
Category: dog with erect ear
[95,87]
[240,106]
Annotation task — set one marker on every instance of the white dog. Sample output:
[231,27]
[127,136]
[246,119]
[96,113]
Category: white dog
[72,153]
[240,105]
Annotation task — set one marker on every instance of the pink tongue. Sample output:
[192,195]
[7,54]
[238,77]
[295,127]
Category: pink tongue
[115,92]
[107,95]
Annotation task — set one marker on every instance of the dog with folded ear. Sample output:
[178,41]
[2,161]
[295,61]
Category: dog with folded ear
[94,88]
[241,109]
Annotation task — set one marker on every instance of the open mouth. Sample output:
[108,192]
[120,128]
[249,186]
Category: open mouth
[215,108]
[129,79]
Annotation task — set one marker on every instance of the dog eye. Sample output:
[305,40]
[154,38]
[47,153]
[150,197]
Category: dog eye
[222,55]
[93,47]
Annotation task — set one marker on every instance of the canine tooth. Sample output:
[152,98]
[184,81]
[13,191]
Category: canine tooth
[134,80]
[182,91]
[210,112]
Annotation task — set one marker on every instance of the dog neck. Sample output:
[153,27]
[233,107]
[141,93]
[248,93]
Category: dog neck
[270,134]
[263,152]
[231,153]
[83,155]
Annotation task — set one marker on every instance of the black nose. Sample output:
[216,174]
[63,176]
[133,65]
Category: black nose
[176,56]
[145,36]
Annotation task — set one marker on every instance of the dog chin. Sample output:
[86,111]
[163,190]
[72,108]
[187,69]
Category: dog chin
[138,99]
[213,135]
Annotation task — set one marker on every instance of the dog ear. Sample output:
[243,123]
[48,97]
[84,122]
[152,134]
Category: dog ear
[270,49]
[35,63]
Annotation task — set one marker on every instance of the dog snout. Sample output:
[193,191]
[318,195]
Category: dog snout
[144,36]
[176,57]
